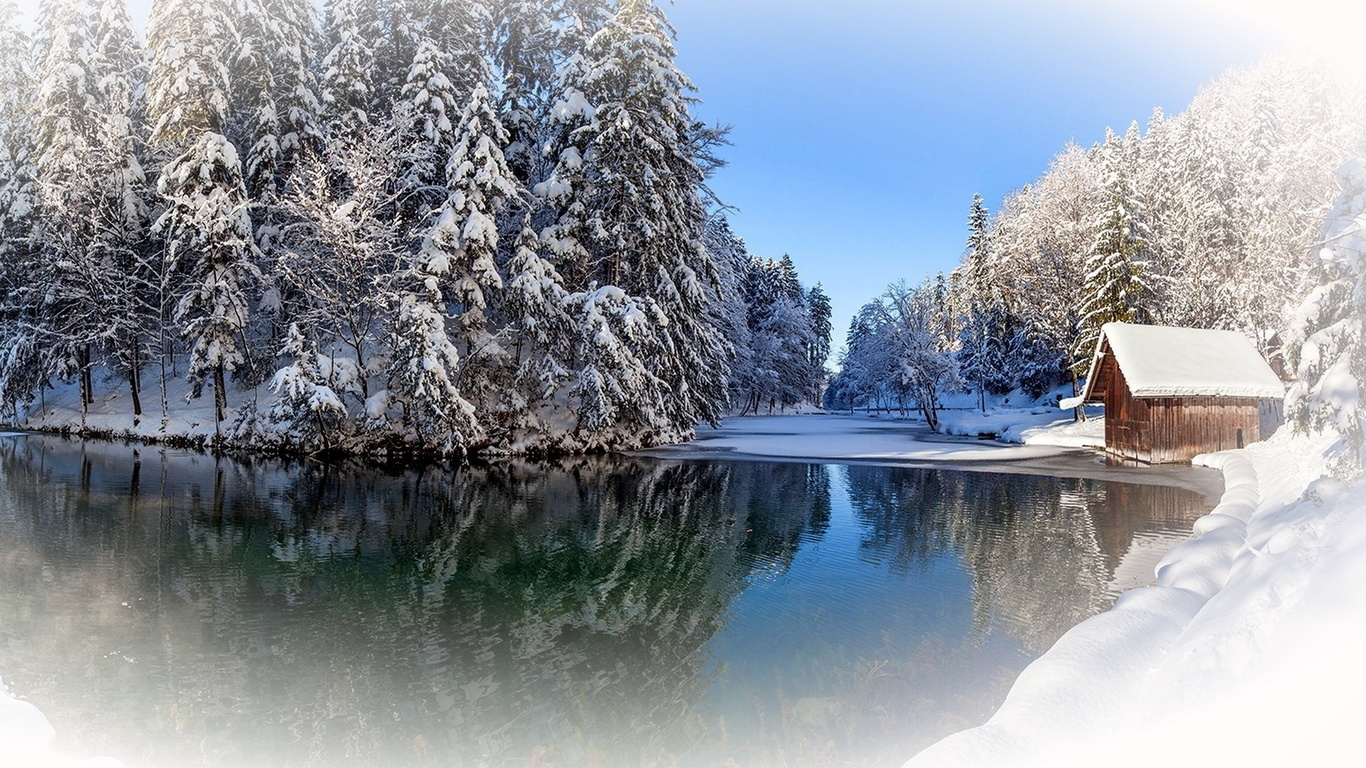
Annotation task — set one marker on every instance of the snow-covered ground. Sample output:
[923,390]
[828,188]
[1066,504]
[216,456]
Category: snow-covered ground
[59,410]
[26,737]
[1040,442]
[1247,650]
[1038,425]
[859,437]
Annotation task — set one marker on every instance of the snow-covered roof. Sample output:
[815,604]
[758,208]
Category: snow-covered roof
[1160,361]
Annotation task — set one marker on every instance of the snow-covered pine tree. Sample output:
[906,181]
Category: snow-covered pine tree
[448,63]
[423,364]
[66,272]
[1328,344]
[647,210]
[733,263]
[274,121]
[90,269]
[976,271]
[120,204]
[983,326]
[21,364]
[537,327]
[306,411]
[205,225]
[347,72]
[565,196]
[275,94]
[782,342]
[393,45]
[619,399]
[1114,289]
[460,248]
[818,312]
[524,52]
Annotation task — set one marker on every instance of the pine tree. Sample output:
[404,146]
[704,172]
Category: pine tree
[21,353]
[523,51]
[460,249]
[818,312]
[448,63]
[734,265]
[976,267]
[66,272]
[537,326]
[1329,332]
[274,95]
[1114,289]
[90,265]
[347,73]
[423,364]
[205,224]
[305,407]
[121,239]
[648,213]
[983,327]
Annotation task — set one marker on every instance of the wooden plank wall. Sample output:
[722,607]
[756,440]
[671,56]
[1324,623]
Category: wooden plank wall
[1164,430]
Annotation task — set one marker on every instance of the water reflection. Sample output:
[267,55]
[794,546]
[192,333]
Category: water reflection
[169,608]
[1043,551]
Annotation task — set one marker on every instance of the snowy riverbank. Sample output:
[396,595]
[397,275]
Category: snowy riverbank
[1029,441]
[1246,651]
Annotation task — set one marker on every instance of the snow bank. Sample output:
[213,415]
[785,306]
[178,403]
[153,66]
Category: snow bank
[1245,648]
[1038,426]
[839,437]
[26,738]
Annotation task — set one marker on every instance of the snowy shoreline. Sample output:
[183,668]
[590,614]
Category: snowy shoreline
[1243,651]
[1043,443]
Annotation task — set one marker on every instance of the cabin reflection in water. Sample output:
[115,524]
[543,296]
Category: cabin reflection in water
[1044,552]
[170,608]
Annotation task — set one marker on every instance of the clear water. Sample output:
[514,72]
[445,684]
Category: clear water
[171,609]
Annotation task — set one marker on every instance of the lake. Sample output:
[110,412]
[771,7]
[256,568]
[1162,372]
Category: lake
[170,608]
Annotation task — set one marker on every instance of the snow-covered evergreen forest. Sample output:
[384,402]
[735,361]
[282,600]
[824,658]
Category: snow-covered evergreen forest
[429,225]
[1206,219]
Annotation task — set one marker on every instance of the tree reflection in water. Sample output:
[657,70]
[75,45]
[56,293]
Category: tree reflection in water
[170,608]
[1042,551]
[267,612]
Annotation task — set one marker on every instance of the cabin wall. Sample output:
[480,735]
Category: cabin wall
[1163,430]
[1183,427]
[1127,418]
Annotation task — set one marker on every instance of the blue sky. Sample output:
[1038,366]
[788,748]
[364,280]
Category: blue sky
[861,128]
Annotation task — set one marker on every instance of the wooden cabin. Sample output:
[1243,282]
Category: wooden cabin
[1173,393]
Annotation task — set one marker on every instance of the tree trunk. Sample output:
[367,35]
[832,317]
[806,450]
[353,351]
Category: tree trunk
[87,387]
[1079,413]
[220,396]
[165,398]
[135,381]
